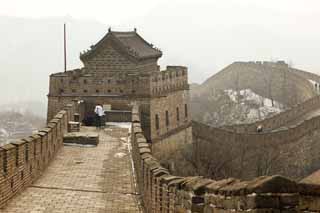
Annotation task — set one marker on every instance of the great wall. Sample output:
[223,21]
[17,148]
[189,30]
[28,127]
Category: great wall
[102,179]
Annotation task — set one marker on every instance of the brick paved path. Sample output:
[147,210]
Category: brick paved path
[84,179]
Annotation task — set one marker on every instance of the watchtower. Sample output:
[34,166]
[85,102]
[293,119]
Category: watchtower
[120,69]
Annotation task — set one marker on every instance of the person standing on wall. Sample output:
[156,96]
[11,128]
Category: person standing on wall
[99,113]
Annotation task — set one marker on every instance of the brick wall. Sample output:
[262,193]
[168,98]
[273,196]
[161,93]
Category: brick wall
[278,137]
[23,161]
[162,192]
[168,145]
[281,119]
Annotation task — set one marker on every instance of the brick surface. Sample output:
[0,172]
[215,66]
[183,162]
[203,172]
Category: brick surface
[84,179]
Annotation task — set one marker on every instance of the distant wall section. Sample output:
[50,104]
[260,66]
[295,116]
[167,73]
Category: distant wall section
[279,120]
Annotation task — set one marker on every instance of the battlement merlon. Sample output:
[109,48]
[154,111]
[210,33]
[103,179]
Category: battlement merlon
[172,79]
[276,64]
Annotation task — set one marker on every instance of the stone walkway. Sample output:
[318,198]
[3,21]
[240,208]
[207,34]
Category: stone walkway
[84,179]
[307,116]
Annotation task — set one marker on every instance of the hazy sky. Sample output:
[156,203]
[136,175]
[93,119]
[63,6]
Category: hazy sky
[117,11]
[205,35]
[105,11]
[273,29]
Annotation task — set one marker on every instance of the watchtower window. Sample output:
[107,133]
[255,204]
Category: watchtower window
[85,81]
[186,110]
[74,78]
[121,91]
[73,91]
[157,122]
[61,80]
[167,118]
[85,91]
[61,91]
[109,81]
[97,91]
[133,91]
[178,116]
[109,90]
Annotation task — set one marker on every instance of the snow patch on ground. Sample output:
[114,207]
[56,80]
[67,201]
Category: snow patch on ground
[232,94]
[120,155]
[249,95]
[258,107]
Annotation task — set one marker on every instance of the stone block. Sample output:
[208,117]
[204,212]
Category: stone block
[81,138]
[73,126]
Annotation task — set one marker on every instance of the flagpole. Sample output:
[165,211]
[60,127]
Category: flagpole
[65,47]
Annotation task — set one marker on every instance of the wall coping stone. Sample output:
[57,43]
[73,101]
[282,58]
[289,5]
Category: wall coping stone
[55,120]
[168,178]
[46,130]
[36,136]
[216,185]
[141,140]
[8,147]
[18,142]
[143,145]
[28,139]
[51,125]
[177,182]
[160,171]
[144,150]
[146,155]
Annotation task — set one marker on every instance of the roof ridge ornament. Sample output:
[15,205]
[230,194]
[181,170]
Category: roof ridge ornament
[109,29]
[135,30]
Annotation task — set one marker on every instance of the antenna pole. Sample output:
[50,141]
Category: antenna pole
[65,47]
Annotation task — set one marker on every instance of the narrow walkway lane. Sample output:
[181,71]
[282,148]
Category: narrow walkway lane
[84,179]
[307,116]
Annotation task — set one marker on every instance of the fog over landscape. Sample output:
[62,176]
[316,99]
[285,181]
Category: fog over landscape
[160,106]
[204,35]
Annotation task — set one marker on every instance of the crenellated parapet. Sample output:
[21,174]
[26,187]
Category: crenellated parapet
[81,83]
[162,192]
[23,161]
[172,79]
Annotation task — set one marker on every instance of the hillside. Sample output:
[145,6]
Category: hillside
[17,124]
[269,82]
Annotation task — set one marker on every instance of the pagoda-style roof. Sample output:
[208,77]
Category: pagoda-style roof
[130,43]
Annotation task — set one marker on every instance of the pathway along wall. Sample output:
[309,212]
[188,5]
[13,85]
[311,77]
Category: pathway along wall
[162,192]
[23,161]
[275,137]
[281,119]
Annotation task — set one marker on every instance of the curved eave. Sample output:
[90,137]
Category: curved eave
[87,55]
